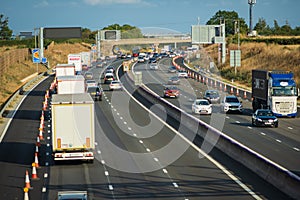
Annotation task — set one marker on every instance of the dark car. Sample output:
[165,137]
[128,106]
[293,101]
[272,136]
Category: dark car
[264,117]
[95,92]
[212,95]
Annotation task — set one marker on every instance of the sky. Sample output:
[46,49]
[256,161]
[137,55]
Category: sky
[178,15]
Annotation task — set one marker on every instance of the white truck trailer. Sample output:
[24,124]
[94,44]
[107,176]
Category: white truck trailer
[76,60]
[70,84]
[65,70]
[73,127]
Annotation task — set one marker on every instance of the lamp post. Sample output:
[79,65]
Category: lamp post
[251,3]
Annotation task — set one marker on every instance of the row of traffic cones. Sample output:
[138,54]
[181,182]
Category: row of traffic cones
[35,165]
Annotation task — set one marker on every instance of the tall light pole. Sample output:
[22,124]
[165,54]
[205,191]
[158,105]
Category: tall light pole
[251,3]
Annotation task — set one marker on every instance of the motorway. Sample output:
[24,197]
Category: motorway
[138,155]
[273,143]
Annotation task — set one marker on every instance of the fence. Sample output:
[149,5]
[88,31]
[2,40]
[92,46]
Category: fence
[11,57]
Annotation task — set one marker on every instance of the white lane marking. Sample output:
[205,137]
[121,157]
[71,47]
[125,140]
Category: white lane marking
[165,171]
[121,118]
[296,149]
[278,140]
[262,133]
[238,122]
[106,173]
[110,187]
[141,141]
[48,138]
[125,122]
[96,143]
[249,127]
[156,159]
[46,163]
[44,189]
[99,152]
[291,128]
[227,117]
[118,113]
[175,185]
[134,135]
[45,175]
[129,128]
[148,150]
[103,162]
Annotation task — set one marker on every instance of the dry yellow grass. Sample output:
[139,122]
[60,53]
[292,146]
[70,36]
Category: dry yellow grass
[10,81]
[263,56]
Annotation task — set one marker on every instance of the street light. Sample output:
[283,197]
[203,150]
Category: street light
[251,3]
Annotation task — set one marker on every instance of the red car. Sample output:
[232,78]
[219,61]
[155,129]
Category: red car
[171,91]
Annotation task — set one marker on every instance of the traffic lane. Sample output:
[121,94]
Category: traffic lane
[252,179]
[124,170]
[18,146]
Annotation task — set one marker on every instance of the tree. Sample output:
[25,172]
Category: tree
[262,28]
[127,31]
[5,32]
[230,17]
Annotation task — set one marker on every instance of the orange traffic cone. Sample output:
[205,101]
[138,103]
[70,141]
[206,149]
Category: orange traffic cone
[37,150]
[36,160]
[41,137]
[38,143]
[245,95]
[34,175]
[26,196]
[27,181]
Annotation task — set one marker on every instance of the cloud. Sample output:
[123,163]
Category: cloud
[99,2]
[41,4]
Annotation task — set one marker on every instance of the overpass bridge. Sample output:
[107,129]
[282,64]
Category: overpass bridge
[108,45]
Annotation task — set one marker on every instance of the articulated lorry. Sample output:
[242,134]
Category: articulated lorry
[275,90]
[73,127]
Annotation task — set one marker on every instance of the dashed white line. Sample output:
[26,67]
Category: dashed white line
[106,173]
[165,171]
[291,128]
[99,152]
[249,127]
[262,133]
[141,141]
[148,150]
[103,162]
[296,149]
[129,128]
[156,159]
[175,185]
[278,140]
[45,175]
[238,122]
[44,189]
[110,187]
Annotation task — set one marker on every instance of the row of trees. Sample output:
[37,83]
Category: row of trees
[233,22]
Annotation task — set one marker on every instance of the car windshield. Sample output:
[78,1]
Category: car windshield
[202,103]
[232,100]
[212,93]
[265,113]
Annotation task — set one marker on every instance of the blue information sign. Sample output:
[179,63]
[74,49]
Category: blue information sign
[36,55]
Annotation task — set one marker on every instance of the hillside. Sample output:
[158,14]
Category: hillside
[55,53]
[260,56]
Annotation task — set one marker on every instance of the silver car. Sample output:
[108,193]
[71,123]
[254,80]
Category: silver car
[231,103]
